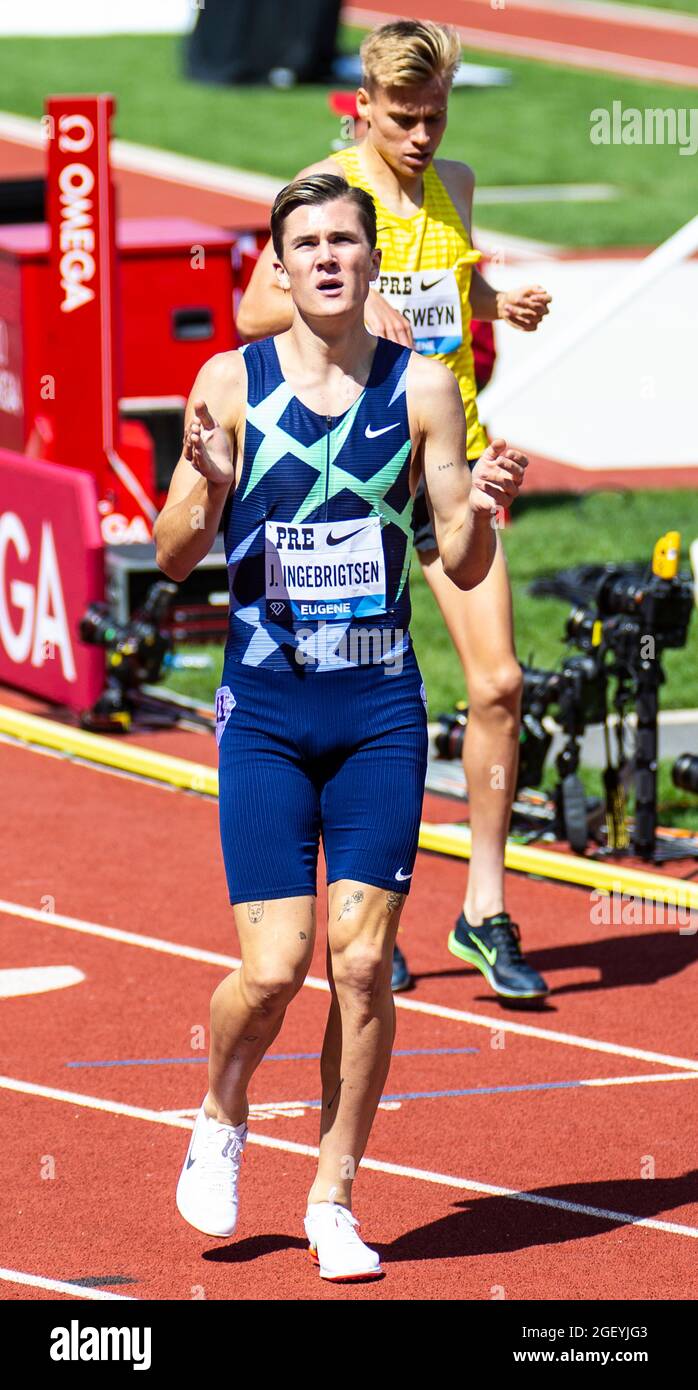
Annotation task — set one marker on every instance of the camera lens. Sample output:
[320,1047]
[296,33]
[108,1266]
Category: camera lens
[684,773]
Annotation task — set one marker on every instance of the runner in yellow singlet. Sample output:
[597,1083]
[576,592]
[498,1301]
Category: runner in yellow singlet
[428,287]
[425,274]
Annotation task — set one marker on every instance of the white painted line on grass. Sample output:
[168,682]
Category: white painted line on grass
[376,1165]
[37,1281]
[173,948]
[545,193]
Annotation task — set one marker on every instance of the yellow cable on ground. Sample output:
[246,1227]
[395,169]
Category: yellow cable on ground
[96,748]
[453,840]
[568,868]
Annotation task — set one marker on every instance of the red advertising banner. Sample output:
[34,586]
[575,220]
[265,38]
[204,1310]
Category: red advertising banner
[51,568]
[81,299]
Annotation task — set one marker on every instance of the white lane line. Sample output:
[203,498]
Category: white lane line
[37,1281]
[528,1030]
[126,938]
[632,16]
[37,979]
[159,164]
[500,1025]
[633,1080]
[376,1165]
[544,50]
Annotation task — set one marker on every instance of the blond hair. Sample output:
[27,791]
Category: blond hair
[409,53]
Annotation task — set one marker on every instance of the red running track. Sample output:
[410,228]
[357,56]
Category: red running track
[659,47]
[100,849]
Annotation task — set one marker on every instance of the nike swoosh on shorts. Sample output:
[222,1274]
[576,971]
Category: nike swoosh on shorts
[402,878]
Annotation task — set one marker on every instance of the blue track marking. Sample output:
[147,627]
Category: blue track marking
[274,1057]
[472,1091]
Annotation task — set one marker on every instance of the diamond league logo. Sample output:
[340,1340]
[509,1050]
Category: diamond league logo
[277,608]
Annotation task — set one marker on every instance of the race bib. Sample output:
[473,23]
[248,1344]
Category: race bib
[324,569]
[430,301]
[225,704]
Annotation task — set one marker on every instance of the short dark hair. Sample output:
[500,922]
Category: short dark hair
[313,190]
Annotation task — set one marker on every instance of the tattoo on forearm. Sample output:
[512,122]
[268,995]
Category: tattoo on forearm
[255,912]
[394,900]
[356,898]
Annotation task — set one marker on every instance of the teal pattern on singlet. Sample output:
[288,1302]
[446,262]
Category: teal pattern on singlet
[304,470]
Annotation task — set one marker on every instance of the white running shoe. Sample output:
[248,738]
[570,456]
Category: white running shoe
[207,1191]
[335,1245]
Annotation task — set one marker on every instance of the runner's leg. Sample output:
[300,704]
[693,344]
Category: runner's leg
[357,1047]
[480,623]
[248,1007]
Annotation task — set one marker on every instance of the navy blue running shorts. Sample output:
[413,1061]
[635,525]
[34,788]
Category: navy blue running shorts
[341,754]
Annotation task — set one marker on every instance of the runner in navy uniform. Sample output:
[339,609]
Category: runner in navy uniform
[317,439]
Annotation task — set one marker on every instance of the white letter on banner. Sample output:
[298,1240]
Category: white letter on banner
[51,620]
[16,644]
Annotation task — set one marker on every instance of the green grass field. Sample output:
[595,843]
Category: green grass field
[534,131]
[689,7]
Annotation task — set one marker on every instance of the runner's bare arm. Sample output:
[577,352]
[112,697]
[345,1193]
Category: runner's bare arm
[462,505]
[188,523]
[465,537]
[265,308]
[522,308]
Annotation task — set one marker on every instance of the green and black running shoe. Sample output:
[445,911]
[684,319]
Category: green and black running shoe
[494,948]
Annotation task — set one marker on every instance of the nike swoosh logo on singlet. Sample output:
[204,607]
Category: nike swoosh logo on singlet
[337,540]
[373,434]
[429,284]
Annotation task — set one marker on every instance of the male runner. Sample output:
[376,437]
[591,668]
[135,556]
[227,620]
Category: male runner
[317,439]
[428,286]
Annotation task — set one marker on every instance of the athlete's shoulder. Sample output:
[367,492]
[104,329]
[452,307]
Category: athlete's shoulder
[322,166]
[222,381]
[225,368]
[459,181]
[430,382]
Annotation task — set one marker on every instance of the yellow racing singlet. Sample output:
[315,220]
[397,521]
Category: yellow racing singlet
[425,274]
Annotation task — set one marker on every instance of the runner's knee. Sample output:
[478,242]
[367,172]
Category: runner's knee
[269,986]
[360,970]
[502,685]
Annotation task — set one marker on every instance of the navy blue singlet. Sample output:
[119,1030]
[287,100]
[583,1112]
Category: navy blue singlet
[319,531]
[318,539]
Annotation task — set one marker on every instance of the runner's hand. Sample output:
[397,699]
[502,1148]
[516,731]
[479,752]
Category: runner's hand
[497,477]
[524,308]
[386,322]
[207,446]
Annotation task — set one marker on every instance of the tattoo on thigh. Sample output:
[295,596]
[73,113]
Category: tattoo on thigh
[356,898]
[253,1037]
[255,912]
[394,900]
[302,936]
